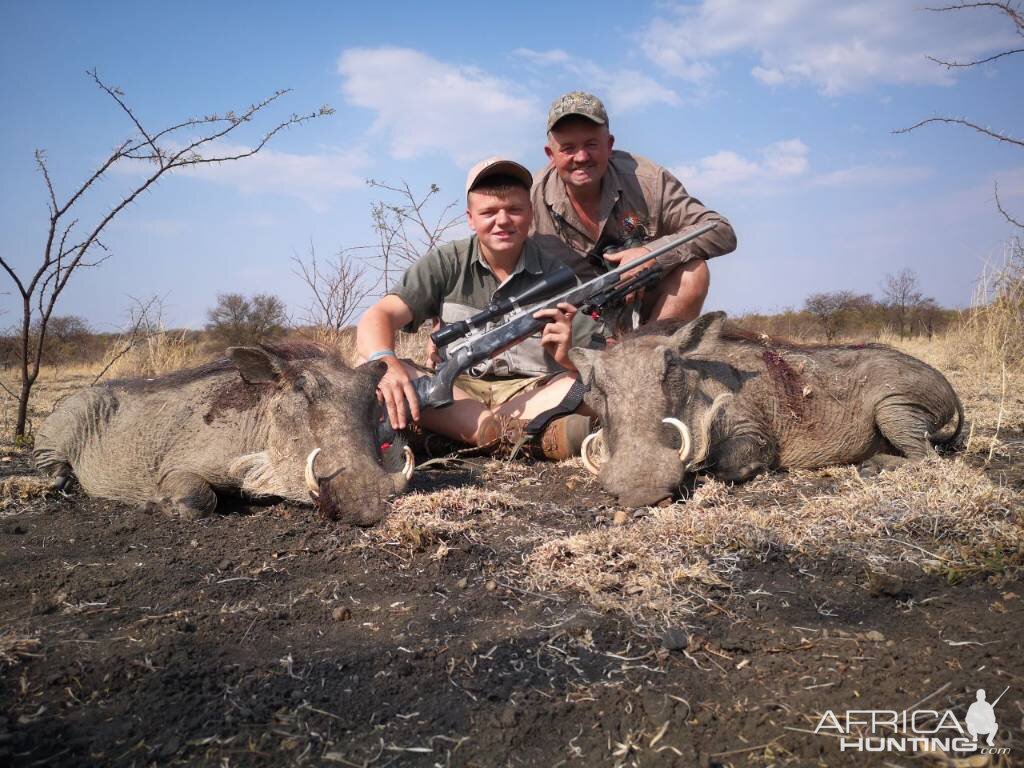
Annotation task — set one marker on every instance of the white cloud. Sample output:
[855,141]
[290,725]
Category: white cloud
[311,178]
[727,170]
[785,164]
[428,106]
[879,175]
[554,56]
[620,89]
[837,46]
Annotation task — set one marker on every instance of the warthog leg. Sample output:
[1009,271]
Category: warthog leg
[906,427]
[60,476]
[183,494]
[738,458]
[880,462]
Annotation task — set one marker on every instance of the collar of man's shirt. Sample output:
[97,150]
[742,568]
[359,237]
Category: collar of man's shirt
[557,197]
[529,259]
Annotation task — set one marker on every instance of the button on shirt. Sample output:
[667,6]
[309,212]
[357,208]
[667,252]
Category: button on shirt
[454,282]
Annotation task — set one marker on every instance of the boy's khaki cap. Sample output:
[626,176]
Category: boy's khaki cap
[493,166]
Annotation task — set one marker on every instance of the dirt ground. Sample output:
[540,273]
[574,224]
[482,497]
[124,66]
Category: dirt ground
[461,632]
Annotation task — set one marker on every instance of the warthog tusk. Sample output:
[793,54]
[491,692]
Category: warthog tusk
[684,434]
[401,478]
[585,449]
[410,463]
[311,482]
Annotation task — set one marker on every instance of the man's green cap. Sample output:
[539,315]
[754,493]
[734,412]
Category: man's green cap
[577,103]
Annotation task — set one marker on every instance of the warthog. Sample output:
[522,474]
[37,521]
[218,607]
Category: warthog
[288,421]
[731,403]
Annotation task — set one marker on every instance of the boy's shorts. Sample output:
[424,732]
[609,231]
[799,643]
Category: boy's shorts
[493,391]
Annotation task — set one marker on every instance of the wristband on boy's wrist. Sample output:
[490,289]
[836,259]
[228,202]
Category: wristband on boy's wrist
[381,353]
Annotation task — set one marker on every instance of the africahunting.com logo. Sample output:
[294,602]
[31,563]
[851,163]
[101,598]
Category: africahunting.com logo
[916,730]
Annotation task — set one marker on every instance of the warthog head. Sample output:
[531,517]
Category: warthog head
[321,421]
[655,417]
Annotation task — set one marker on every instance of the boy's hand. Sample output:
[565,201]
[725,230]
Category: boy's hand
[556,337]
[396,392]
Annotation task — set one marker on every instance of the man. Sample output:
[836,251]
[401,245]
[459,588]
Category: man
[981,719]
[591,196]
[492,405]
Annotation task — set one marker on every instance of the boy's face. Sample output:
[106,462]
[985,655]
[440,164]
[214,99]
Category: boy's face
[501,222]
[579,149]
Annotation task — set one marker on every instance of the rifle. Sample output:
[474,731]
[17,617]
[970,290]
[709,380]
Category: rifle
[467,343]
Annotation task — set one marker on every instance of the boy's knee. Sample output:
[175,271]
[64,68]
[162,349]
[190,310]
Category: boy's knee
[488,430]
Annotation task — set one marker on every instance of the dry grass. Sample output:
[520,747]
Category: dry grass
[992,333]
[13,648]
[940,514]
[156,354]
[23,487]
[420,520]
[18,489]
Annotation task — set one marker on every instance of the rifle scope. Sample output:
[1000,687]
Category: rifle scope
[546,286]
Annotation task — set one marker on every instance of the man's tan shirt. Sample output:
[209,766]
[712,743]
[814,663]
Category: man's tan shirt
[637,197]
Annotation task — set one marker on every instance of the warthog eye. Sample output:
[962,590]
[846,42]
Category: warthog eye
[309,385]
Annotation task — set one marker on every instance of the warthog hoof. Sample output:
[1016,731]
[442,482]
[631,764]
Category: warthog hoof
[879,463]
[59,482]
[174,509]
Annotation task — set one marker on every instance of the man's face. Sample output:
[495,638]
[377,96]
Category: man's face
[501,222]
[579,149]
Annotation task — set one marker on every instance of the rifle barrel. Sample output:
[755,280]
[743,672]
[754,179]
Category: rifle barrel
[671,245]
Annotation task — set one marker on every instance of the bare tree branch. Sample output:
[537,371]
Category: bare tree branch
[338,288]
[143,326]
[1006,215]
[116,94]
[977,62]
[902,297]
[8,391]
[1002,7]
[968,124]
[41,163]
[405,230]
[41,290]
[1012,10]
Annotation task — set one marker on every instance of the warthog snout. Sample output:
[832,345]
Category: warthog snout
[633,489]
[356,497]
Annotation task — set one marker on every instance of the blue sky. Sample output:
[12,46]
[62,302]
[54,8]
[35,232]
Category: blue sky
[778,114]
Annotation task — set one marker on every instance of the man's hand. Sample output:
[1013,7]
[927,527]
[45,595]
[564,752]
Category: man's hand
[624,257]
[556,337]
[396,392]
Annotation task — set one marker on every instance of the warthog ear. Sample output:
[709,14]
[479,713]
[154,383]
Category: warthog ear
[584,360]
[256,365]
[706,327]
[375,368]
[671,357]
